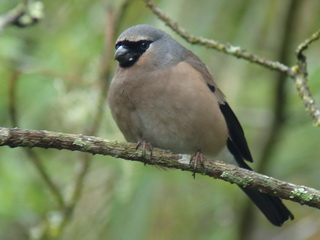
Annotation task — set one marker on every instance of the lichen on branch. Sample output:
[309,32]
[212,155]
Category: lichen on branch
[16,137]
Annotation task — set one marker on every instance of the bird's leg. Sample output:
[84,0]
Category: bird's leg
[145,146]
[196,159]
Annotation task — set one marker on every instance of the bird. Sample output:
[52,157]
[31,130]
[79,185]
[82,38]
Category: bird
[162,95]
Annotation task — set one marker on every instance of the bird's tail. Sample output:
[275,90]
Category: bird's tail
[272,207]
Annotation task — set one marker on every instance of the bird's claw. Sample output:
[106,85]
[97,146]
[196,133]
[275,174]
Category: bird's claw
[145,147]
[196,159]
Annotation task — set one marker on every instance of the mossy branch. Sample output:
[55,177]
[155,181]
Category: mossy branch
[16,137]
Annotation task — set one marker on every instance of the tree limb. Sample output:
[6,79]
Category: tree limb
[16,137]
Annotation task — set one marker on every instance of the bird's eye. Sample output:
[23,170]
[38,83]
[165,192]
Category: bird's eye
[144,45]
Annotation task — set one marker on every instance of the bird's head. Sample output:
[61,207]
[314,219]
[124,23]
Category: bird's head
[145,44]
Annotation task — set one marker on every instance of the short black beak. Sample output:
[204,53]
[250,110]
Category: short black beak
[126,56]
[121,54]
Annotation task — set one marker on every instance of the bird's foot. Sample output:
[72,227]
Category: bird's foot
[196,159]
[145,147]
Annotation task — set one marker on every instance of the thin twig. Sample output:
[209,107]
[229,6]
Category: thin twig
[305,44]
[32,156]
[301,78]
[15,137]
[226,48]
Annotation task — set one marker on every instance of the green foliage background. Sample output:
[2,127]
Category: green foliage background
[58,62]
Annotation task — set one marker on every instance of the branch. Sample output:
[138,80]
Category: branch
[24,14]
[226,48]
[301,78]
[303,46]
[16,137]
[298,73]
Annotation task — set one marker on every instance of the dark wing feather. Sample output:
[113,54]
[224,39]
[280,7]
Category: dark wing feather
[236,132]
